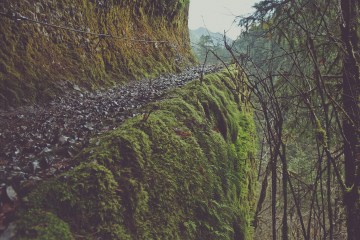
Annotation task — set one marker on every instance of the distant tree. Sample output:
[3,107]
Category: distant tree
[209,51]
[206,42]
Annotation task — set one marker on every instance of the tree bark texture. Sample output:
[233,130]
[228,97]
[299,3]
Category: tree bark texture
[351,97]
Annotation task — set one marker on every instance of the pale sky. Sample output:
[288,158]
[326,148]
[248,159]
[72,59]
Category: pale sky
[219,15]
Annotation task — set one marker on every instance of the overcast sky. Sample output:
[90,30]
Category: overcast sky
[219,15]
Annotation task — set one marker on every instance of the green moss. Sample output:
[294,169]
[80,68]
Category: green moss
[37,224]
[84,197]
[320,133]
[34,59]
[182,170]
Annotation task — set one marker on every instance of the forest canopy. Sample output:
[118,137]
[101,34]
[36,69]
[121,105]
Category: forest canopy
[302,60]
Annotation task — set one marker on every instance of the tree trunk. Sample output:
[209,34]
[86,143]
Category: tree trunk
[273,197]
[351,127]
[285,227]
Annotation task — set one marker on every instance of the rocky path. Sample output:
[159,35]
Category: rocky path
[37,142]
[41,141]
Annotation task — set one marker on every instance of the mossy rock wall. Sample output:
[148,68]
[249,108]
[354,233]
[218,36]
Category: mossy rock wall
[36,60]
[182,170]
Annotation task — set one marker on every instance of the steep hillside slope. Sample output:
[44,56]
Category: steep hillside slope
[182,170]
[48,45]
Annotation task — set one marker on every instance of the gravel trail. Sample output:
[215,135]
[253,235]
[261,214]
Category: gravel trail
[38,142]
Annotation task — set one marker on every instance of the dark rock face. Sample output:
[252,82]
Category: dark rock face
[46,44]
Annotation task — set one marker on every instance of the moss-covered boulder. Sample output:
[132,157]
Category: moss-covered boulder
[40,52]
[184,169]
